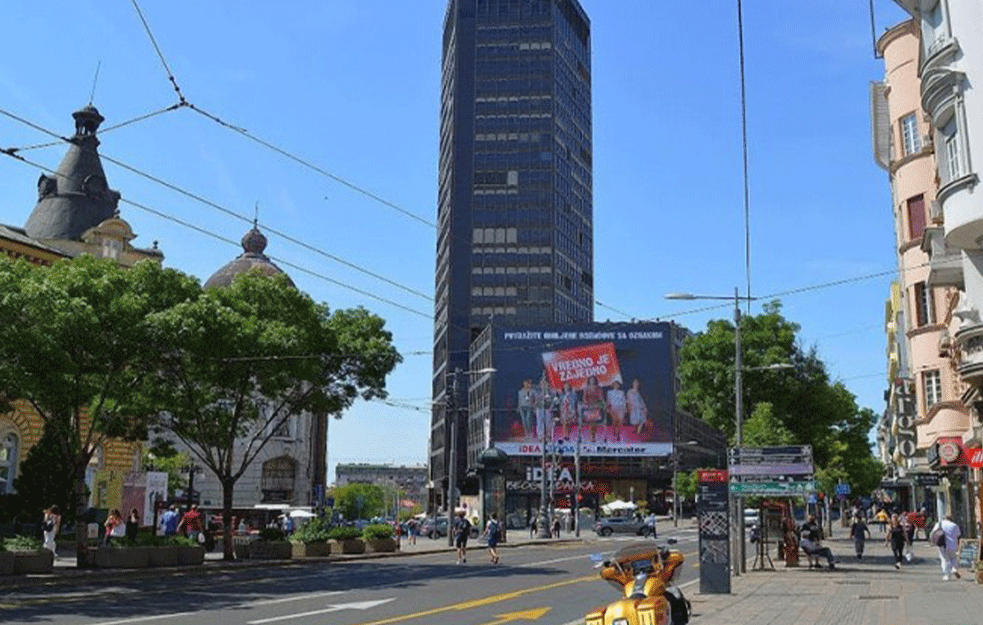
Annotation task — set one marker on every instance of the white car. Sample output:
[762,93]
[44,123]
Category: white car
[751,517]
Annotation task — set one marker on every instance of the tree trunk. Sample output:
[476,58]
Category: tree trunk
[81,530]
[227,488]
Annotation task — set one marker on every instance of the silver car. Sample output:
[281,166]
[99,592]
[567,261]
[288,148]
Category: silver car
[622,525]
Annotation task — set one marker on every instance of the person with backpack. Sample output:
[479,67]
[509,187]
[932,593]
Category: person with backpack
[492,532]
[462,531]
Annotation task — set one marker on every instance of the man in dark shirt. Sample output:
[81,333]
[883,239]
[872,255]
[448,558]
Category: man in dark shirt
[462,531]
[811,541]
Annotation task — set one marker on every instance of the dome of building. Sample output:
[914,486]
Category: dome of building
[252,257]
[78,196]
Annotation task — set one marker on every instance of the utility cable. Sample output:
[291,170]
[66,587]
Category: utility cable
[160,54]
[217,206]
[215,235]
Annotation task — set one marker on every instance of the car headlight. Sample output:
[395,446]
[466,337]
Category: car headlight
[619,621]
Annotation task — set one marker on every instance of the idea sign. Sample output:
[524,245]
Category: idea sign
[975,457]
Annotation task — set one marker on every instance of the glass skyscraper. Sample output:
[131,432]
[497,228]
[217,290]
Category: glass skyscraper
[514,209]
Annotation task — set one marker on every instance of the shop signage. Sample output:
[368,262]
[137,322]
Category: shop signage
[926,479]
[599,487]
[776,489]
[974,456]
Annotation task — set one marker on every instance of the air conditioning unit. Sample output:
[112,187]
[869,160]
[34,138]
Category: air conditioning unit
[927,141]
[935,212]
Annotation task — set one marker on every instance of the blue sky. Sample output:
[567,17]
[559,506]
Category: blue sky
[353,87]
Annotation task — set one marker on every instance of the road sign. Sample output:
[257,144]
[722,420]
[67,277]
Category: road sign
[842,489]
[772,489]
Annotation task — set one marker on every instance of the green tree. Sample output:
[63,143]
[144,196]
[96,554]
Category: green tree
[359,501]
[764,429]
[686,484]
[162,456]
[800,405]
[46,478]
[238,362]
[74,346]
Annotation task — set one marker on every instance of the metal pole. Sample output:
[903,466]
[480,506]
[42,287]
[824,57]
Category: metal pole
[452,469]
[544,525]
[675,486]
[739,416]
[576,495]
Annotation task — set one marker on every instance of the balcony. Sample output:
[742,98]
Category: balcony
[945,264]
[969,343]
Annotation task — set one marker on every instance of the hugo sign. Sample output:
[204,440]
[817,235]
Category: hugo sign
[907,437]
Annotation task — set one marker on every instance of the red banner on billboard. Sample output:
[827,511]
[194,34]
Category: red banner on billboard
[712,476]
[576,365]
[975,457]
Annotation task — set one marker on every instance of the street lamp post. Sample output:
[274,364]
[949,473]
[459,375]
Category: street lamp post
[544,530]
[736,519]
[576,479]
[452,405]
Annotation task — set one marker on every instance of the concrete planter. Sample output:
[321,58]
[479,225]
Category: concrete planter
[33,562]
[240,546]
[386,545]
[164,556]
[352,545]
[311,550]
[122,558]
[6,563]
[190,555]
[270,550]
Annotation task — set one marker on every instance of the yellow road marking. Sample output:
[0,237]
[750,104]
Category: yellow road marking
[481,602]
[524,615]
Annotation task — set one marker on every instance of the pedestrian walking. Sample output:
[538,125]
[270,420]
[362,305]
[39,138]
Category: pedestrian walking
[51,525]
[412,529]
[492,531]
[897,539]
[191,524]
[909,533]
[533,527]
[462,531]
[556,527]
[859,532]
[169,521]
[132,525]
[946,535]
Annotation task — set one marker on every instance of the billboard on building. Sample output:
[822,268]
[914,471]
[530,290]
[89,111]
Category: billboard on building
[616,380]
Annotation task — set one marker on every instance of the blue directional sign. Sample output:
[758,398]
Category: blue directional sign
[842,489]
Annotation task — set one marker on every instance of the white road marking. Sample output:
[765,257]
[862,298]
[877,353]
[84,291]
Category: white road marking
[138,619]
[359,605]
[297,598]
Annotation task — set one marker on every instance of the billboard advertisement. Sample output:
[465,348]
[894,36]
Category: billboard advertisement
[614,380]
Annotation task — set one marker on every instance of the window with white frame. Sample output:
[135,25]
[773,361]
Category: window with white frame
[924,305]
[910,138]
[933,388]
[951,165]
[935,25]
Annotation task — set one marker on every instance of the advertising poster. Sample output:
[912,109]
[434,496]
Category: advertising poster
[615,380]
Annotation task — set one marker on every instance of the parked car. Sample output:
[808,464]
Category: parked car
[427,529]
[622,525]
[751,517]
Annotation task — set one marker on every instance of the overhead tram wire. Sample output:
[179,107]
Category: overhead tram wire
[220,208]
[747,192]
[184,102]
[215,235]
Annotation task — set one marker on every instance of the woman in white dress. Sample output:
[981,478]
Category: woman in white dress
[617,407]
[637,412]
[51,526]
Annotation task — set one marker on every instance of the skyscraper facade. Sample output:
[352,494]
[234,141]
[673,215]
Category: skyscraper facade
[514,208]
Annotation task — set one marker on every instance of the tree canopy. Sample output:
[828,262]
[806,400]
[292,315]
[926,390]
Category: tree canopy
[236,363]
[75,346]
[799,405]
[359,501]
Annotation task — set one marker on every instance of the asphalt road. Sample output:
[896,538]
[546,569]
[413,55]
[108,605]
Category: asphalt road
[541,584]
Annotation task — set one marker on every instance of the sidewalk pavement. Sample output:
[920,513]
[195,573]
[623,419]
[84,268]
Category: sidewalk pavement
[859,592]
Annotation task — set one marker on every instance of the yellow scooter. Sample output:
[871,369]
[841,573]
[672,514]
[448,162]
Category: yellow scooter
[642,574]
